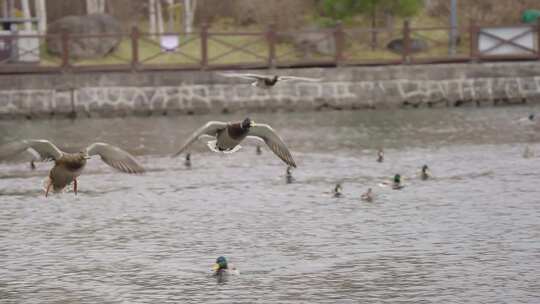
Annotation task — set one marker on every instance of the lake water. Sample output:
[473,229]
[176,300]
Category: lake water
[469,235]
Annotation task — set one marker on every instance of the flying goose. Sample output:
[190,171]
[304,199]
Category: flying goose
[230,134]
[265,81]
[68,166]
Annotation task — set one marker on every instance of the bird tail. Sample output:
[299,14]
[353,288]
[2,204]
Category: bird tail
[213,146]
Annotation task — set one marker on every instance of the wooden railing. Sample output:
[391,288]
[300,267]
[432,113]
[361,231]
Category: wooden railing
[207,50]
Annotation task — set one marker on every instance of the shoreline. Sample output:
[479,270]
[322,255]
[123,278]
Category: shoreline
[120,94]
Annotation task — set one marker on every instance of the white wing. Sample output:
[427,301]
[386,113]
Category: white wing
[44,148]
[273,141]
[115,157]
[245,76]
[210,128]
[288,78]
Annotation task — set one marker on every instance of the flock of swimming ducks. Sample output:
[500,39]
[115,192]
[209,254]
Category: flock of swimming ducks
[396,184]
[226,138]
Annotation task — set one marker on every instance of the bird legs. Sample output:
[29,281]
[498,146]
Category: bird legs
[49,184]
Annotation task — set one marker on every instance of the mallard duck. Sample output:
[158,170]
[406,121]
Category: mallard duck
[424,175]
[230,134]
[337,190]
[396,185]
[368,196]
[529,120]
[68,166]
[222,269]
[266,82]
[187,162]
[528,152]
[380,155]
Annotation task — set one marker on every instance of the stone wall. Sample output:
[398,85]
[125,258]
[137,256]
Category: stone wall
[164,93]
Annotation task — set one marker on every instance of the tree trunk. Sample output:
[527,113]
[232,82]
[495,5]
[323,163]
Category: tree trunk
[159,10]
[41,13]
[91,6]
[190,7]
[5,9]
[101,6]
[152,16]
[27,15]
[170,16]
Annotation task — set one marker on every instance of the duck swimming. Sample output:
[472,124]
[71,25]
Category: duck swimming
[187,162]
[368,196]
[380,156]
[222,269]
[266,82]
[68,166]
[396,185]
[288,175]
[424,175]
[230,134]
[337,190]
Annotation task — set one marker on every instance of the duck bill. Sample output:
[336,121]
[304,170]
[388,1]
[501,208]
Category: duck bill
[252,123]
[215,267]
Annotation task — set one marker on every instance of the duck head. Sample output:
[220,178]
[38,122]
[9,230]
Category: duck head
[221,263]
[188,156]
[424,168]
[247,123]
[531,116]
[397,179]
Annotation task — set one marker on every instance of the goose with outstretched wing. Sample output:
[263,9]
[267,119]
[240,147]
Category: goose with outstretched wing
[68,166]
[229,135]
[266,81]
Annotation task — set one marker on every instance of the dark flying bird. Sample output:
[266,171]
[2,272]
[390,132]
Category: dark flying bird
[68,166]
[266,82]
[230,134]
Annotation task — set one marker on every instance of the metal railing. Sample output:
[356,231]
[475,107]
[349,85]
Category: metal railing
[207,50]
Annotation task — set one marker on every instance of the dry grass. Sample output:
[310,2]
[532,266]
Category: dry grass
[221,47]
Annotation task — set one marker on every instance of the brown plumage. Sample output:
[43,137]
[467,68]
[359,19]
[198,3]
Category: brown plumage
[68,166]
[230,134]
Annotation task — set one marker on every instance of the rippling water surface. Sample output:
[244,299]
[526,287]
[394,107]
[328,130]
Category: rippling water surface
[469,235]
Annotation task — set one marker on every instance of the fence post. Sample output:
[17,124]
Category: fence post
[204,46]
[538,38]
[339,40]
[135,34]
[271,38]
[65,49]
[473,32]
[405,59]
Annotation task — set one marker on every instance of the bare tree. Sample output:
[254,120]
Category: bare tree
[170,24]
[190,7]
[91,6]
[41,13]
[27,15]
[159,10]
[152,15]
[101,6]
